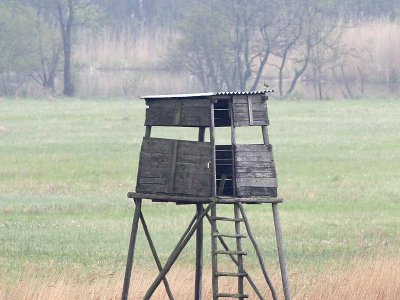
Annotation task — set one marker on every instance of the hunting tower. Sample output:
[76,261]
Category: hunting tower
[208,174]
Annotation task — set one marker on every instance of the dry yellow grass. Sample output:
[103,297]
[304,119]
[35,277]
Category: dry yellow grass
[372,49]
[377,280]
[125,49]
[376,46]
[367,280]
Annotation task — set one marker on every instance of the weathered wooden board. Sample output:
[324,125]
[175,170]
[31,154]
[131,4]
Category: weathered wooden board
[195,116]
[155,145]
[161,117]
[152,180]
[249,110]
[256,182]
[175,167]
[253,148]
[194,148]
[255,171]
[256,191]
[154,162]
[258,172]
[173,112]
[187,183]
[154,188]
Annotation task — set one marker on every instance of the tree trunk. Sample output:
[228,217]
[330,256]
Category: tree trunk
[299,73]
[66,22]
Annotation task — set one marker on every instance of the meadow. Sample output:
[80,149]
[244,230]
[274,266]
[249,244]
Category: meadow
[67,164]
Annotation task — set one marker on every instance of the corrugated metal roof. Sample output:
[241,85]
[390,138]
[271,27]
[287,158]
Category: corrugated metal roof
[203,95]
[241,93]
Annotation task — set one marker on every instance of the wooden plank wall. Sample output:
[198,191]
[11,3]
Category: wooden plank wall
[154,166]
[193,168]
[255,171]
[175,167]
[249,110]
[174,112]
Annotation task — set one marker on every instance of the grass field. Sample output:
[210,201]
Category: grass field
[66,166]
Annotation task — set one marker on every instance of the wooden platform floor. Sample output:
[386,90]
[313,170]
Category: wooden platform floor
[179,199]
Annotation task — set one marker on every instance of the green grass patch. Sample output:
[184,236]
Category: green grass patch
[66,166]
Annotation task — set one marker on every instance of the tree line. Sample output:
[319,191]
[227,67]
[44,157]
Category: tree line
[223,44]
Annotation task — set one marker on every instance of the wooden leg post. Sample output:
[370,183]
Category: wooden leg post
[199,255]
[131,251]
[281,252]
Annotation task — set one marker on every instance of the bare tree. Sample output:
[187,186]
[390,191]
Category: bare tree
[66,18]
[230,44]
[70,14]
[226,44]
[48,47]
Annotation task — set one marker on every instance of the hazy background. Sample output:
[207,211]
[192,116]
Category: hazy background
[302,49]
[66,163]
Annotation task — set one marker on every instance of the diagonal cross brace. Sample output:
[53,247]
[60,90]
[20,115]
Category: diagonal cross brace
[155,255]
[176,252]
[137,216]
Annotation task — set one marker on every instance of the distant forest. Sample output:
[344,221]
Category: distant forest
[58,47]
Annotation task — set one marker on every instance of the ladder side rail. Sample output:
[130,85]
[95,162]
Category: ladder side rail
[258,252]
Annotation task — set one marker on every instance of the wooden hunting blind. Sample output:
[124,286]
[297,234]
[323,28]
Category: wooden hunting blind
[208,173]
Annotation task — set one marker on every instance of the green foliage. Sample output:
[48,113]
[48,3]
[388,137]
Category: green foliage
[16,36]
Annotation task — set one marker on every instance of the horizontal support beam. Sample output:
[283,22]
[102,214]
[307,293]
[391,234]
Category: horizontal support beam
[196,200]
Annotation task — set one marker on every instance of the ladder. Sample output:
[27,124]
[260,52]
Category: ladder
[236,255]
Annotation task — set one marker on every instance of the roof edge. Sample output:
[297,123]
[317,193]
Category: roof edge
[202,95]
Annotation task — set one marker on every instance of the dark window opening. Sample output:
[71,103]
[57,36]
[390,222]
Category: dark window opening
[224,170]
[223,153]
[222,116]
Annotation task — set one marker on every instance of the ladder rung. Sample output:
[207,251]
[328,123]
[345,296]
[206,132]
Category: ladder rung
[230,274]
[225,295]
[227,219]
[230,252]
[230,235]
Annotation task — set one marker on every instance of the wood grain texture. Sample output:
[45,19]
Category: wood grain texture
[257,182]
[175,167]
[256,191]
[249,111]
[255,171]
[196,199]
[173,112]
